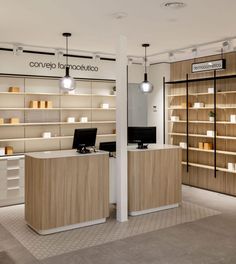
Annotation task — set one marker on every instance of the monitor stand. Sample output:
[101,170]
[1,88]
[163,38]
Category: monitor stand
[142,146]
[83,150]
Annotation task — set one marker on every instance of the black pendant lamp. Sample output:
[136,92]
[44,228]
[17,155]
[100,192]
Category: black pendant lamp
[67,83]
[146,86]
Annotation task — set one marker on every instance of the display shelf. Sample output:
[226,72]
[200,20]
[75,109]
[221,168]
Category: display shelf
[51,138]
[231,153]
[198,165]
[202,94]
[56,109]
[58,94]
[85,102]
[201,136]
[57,123]
[203,122]
[203,108]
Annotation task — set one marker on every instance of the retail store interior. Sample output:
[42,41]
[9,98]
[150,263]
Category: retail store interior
[117,132]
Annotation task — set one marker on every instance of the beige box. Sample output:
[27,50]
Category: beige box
[14,89]
[208,146]
[14,120]
[48,104]
[41,104]
[183,105]
[1,120]
[9,150]
[33,104]
[201,145]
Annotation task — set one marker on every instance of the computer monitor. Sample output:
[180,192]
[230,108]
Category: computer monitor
[142,135]
[83,138]
[108,146]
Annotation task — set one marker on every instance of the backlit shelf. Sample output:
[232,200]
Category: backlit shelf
[201,136]
[198,165]
[51,138]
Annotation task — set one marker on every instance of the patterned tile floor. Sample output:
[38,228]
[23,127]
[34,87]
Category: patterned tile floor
[12,218]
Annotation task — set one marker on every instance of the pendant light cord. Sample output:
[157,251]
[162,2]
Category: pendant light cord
[66,51]
[145,59]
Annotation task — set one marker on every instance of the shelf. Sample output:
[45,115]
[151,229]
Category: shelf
[57,123]
[212,151]
[51,138]
[202,94]
[13,178]
[207,167]
[202,136]
[13,188]
[202,108]
[203,122]
[58,94]
[57,109]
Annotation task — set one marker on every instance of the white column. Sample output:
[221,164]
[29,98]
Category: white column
[121,130]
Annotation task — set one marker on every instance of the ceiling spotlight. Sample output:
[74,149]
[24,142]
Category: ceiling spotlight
[195,52]
[96,57]
[227,45]
[17,50]
[119,15]
[67,83]
[59,53]
[173,4]
[146,86]
[171,56]
[130,61]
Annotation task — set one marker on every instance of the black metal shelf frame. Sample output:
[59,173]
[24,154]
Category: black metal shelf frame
[186,82]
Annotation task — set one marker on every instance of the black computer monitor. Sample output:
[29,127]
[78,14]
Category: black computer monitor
[108,146]
[142,135]
[83,138]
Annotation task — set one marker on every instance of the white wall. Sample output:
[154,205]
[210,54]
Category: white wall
[155,115]
[135,73]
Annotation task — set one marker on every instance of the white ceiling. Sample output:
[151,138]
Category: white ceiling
[93,28]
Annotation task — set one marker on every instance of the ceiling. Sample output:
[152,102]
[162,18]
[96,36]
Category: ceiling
[94,28]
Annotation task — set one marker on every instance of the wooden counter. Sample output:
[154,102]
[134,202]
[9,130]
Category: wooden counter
[154,178]
[65,190]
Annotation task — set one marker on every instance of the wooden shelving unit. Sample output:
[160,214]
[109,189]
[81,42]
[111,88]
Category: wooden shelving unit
[204,168]
[26,136]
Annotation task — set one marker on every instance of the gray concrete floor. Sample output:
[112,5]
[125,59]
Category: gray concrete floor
[206,241]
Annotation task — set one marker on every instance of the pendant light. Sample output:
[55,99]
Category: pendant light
[67,83]
[146,86]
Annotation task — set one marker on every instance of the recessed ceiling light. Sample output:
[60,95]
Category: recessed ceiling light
[173,4]
[119,15]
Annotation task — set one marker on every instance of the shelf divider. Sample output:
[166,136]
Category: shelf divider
[215,91]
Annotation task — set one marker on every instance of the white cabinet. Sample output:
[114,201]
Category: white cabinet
[11,180]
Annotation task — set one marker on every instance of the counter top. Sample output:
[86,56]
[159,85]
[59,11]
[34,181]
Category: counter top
[153,147]
[61,154]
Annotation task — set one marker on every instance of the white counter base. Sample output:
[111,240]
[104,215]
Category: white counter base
[69,227]
[153,210]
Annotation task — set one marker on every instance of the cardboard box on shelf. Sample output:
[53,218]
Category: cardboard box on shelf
[201,145]
[183,105]
[48,104]
[41,104]
[208,146]
[1,120]
[14,89]
[9,150]
[33,104]
[14,120]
